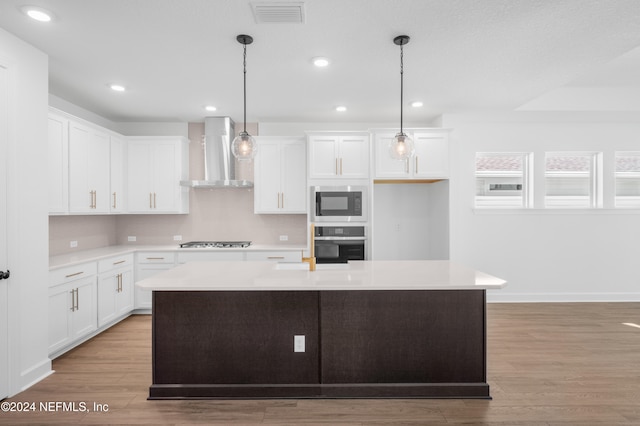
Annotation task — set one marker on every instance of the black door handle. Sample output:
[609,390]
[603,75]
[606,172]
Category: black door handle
[4,275]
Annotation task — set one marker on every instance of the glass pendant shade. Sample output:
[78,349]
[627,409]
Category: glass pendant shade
[244,147]
[401,147]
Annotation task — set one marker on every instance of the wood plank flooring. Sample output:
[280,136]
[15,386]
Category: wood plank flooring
[548,364]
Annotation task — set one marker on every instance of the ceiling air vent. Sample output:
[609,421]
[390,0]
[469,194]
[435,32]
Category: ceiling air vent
[278,12]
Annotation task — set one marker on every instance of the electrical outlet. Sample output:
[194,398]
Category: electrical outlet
[284,238]
[298,343]
[73,244]
[177,238]
[131,238]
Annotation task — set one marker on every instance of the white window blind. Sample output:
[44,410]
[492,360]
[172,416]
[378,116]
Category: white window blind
[627,179]
[573,179]
[502,180]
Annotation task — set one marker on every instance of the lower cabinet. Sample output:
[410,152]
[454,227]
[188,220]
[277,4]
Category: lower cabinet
[72,308]
[115,288]
[147,265]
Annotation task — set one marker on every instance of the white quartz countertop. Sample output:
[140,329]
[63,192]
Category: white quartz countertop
[82,256]
[357,275]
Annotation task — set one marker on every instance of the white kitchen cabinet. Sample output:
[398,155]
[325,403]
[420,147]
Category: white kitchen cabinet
[336,155]
[210,256]
[58,157]
[118,146]
[147,265]
[430,161]
[89,169]
[115,288]
[280,176]
[72,305]
[155,167]
[275,255]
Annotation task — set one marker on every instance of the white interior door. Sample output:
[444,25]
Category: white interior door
[4,296]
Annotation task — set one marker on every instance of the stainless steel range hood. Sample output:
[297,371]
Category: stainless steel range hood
[219,163]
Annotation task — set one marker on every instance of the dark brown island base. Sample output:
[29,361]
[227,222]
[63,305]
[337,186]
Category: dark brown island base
[374,343]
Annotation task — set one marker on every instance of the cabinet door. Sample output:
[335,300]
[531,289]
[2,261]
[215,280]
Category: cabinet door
[60,300]
[432,155]
[58,141]
[166,177]
[294,181]
[354,157]
[267,191]
[107,292]
[139,175]
[80,196]
[117,199]
[84,315]
[124,298]
[88,169]
[387,167]
[323,156]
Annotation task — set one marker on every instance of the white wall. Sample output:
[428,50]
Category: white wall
[27,211]
[545,255]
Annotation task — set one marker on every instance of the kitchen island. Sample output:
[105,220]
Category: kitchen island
[390,329]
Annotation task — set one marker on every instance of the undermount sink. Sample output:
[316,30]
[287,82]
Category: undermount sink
[303,266]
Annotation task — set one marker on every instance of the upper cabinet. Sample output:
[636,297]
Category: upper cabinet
[155,167]
[118,149]
[280,175]
[58,182]
[338,155]
[430,161]
[89,169]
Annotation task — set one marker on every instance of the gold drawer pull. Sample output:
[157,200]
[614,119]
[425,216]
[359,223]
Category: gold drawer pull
[73,275]
[119,262]
[275,257]
[155,258]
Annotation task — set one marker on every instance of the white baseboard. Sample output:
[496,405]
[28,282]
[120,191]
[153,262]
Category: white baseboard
[498,296]
[34,374]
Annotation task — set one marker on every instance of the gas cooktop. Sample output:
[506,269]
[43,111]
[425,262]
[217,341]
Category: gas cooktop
[216,244]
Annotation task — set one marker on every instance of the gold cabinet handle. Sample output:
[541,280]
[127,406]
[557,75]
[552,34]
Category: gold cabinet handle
[74,274]
[119,262]
[114,200]
[77,300]
[73,300]
[340,166]
[155,258]
[275,257]
[416,164]
[336,166]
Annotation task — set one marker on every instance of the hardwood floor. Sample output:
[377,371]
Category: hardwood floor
[548,364]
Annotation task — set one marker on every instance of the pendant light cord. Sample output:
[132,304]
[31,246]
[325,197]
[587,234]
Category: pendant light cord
[401,85]
[244,64]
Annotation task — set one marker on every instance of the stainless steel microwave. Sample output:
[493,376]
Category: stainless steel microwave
[338,203]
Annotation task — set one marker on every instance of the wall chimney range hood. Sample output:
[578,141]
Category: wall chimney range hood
[219,163]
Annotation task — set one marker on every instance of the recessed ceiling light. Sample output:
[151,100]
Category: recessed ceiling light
[37,13]
[320,62]
[416,104]
[341,108]
[210,108]
[117,87]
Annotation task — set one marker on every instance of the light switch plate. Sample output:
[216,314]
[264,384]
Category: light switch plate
[298,343]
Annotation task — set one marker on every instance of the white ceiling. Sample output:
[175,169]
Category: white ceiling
[175,56]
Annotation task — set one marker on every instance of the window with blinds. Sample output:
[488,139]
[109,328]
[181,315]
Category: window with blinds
[573,180]
[627,179]
[502,180]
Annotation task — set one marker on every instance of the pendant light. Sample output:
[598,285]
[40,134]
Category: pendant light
[401,148]
[244,145]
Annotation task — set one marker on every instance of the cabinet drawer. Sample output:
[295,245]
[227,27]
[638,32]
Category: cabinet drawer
[276,256]
[125,260]
[156,257]
[184,257]
[72,273]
